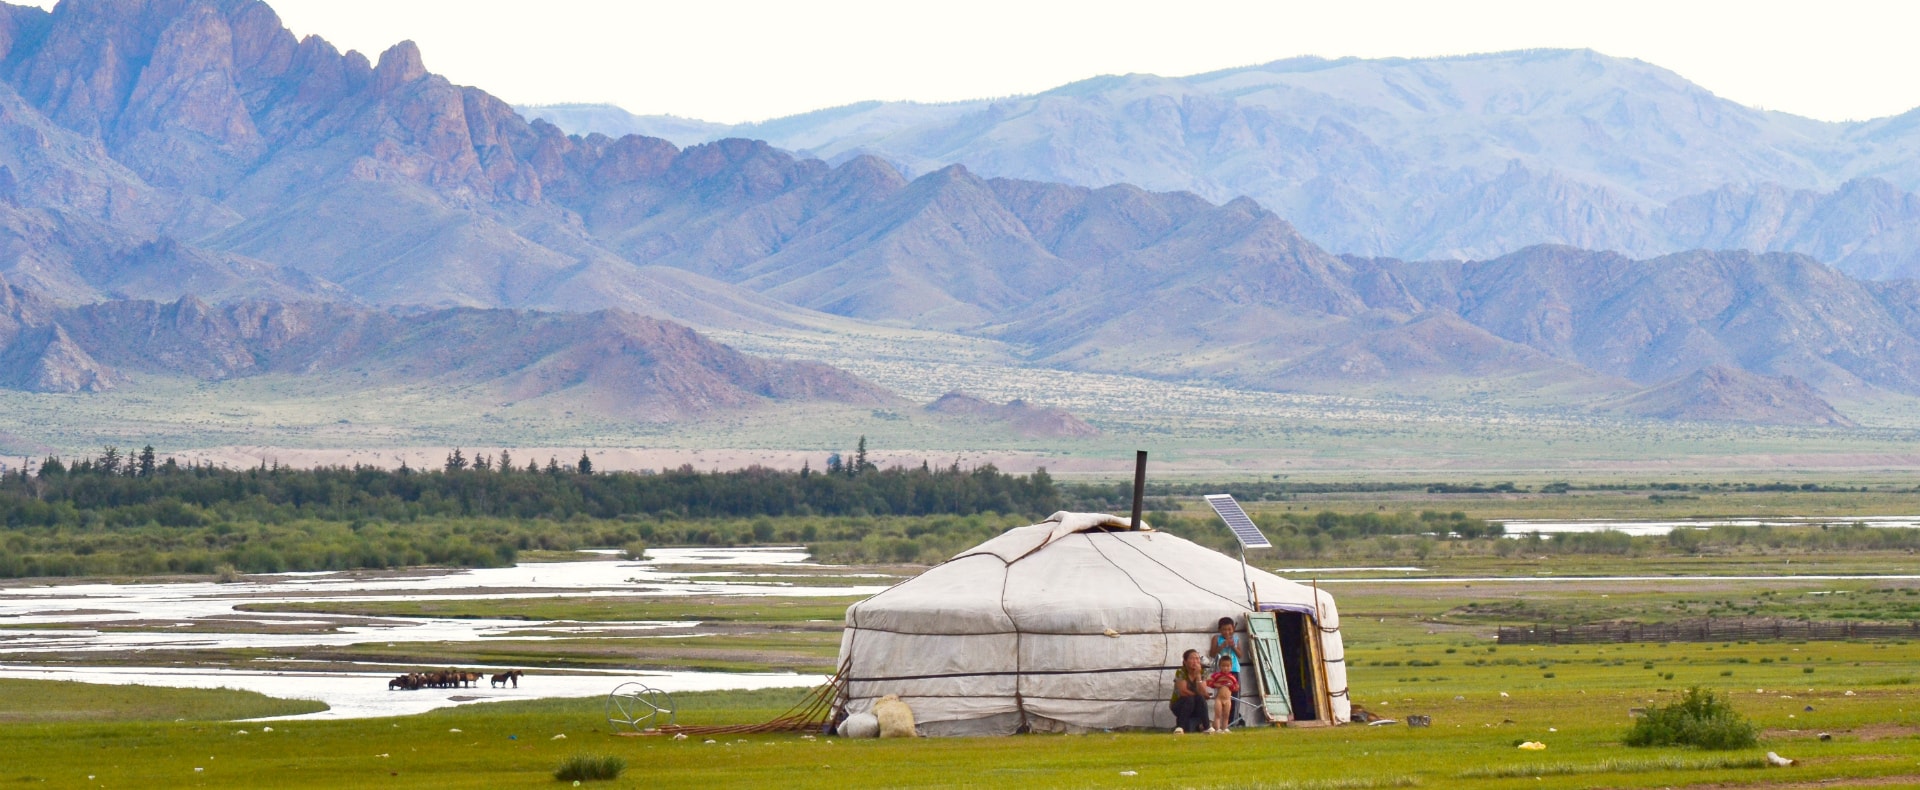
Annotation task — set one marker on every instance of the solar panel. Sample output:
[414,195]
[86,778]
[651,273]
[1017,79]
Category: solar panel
[1237,520]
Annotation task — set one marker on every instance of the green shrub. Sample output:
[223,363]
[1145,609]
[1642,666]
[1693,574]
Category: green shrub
[1700,719]
[590,768]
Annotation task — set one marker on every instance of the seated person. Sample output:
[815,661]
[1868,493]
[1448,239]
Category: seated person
[1189,702]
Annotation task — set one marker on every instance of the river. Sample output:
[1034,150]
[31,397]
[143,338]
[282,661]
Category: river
[189,615]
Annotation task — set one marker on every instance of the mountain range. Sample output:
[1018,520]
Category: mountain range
[187,189]
[1455,157]
[608,362]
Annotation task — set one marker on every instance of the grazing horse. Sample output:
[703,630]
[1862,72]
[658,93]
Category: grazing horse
[440,679]
[509,676]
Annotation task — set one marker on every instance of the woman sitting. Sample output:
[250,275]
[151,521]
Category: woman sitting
[1189,695]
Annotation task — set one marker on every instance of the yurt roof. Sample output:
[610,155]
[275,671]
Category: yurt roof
[1080,573]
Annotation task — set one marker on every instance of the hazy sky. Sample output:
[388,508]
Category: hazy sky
[748,60]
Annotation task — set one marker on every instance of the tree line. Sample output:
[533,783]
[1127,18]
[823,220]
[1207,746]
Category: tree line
[116,489]
[134,513]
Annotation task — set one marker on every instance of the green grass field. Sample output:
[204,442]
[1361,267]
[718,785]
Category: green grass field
[1574,699]
[25,702]
[1412,648]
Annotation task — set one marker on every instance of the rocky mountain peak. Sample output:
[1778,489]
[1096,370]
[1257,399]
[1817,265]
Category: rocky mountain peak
[399,65]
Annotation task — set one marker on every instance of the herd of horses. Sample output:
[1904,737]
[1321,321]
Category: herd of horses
[452,679]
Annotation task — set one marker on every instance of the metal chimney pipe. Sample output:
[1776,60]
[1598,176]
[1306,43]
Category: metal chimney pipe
[1139,484]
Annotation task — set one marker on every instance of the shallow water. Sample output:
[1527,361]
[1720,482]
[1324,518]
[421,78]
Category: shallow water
[187,605]
[1352,569]
[205,616]
[1518,527]
[356,695]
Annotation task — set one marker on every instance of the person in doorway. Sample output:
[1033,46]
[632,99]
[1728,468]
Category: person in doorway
[1226,643]
[1189,701]
[1224,651]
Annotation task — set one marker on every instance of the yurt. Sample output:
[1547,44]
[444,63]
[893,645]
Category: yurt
[1077,624]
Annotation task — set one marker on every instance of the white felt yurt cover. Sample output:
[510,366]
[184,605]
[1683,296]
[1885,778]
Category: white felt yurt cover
[1076,623]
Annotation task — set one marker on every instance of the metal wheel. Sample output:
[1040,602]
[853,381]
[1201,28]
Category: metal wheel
[639,707]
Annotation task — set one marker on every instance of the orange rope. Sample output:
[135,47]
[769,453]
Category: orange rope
[808,715]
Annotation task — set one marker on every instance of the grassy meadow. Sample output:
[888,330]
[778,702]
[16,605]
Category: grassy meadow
[1418,642]
[1412,648]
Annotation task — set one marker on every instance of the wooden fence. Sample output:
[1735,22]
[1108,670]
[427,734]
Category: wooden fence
[1705,630]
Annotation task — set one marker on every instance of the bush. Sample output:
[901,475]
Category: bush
[1700,719]
[590,768]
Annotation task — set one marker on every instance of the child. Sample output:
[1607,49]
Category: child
[1225,682]
[1225,643]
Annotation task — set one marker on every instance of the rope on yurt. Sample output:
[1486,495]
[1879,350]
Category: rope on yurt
[1324,661]
[1176,574]
[1136,584]
[810,714]
[1019,701]
[1166,646]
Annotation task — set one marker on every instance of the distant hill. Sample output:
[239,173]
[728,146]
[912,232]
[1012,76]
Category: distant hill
[611,121]
[1722,394]
[1455,157]
[607,362]
[1022,417]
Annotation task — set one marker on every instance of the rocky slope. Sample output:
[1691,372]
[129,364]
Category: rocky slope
[155,150]
[606,362]
[1459,157]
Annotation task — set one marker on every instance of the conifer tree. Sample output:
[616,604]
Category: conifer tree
[586,464]
[146,461]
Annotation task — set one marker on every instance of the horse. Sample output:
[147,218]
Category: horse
[509,676]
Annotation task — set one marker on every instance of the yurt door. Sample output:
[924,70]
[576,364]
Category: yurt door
[1268,662]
